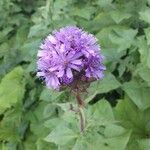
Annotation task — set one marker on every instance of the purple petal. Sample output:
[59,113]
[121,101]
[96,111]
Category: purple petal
[74,67]
[60,73]
[77,62]
[52,39]
[69,73]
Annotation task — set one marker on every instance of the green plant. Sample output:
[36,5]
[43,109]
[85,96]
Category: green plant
[33,117]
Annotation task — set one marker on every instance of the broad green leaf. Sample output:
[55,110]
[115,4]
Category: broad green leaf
[93,140]
[49,110]
[12,88]
[29,49]
[144,50]
[138,94]
[112,130]
[122,37]
[116,143]
[29,143]
[61,135]
[103,36]
[100,21]
[37,30]
[144,15]
[101,113]
[118,16]
[85,12]
[144,144]
[131,117]
[104,3]
[50,95]
[147,33]
[51,123]
[81,144]
[144,73]
[43,145]
[108,83]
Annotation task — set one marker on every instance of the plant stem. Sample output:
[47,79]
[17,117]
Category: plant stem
[81,112]
[82,119]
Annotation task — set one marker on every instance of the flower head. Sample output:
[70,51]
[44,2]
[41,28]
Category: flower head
[68,55]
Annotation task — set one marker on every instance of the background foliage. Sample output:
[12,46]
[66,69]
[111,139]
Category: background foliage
[35,118]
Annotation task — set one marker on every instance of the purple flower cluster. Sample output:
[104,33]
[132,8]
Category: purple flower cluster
[68,55]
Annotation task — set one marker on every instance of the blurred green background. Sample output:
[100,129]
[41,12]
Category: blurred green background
[121,101]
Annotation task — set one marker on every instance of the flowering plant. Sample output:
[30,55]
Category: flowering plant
[70,58]
[68,55]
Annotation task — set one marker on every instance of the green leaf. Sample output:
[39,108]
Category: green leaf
[81,144]
[144,15]
[144,50]
[29,143]
[29,49]
[108,83]
[116,143]
[119,16]
[50,95]
[61,135]
[49,110]
[147,33]
[103,36]
[134,119]
[101,20]
[101,113]
[85,12]
[138,93]
[144,73]
[112,130]
[93,140]
[104,3]
[43,145]
[12,88]
[122,37]
[144,144]
[102,109]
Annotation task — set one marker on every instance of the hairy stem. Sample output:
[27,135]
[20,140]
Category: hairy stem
[81,112]
[82,119]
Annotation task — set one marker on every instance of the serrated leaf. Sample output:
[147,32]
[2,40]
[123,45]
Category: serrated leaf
[103,36]
[112,130]
[118,16]
[50,95]
[61,135]
[85,12]
[43,145]
[101,112]
[138,94]
[144,15]
[144,50]
[122,37]
[97,141]
[108,83]
[144,73]
[29,49]
[134,119]
[104,3]
[81,144]
[144,144]
[147,33]
[49,110]
[11,88]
